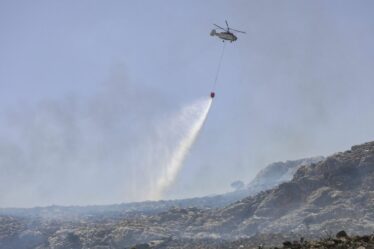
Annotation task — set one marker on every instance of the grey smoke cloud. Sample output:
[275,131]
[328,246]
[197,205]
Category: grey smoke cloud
[298,84]
[80,151]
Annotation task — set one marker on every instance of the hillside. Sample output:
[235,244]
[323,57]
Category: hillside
[334,194]
[271,176]
[330,195]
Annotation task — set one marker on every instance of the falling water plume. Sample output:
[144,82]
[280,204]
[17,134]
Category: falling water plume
[192,118]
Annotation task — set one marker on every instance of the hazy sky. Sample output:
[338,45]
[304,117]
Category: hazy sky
[87,90]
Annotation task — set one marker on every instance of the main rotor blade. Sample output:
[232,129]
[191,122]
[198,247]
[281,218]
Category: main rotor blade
[227,25]
[219,27]
[238,31]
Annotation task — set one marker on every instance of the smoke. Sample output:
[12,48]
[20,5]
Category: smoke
[122,143]
[298,84]
[82,150]
[188,124]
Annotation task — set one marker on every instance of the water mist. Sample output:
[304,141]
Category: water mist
[190,121]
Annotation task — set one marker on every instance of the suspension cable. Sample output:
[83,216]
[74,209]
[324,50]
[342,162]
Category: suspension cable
[219,67]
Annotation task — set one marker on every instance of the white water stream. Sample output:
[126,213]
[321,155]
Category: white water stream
[189,121]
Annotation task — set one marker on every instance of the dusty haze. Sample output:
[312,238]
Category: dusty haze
[87,91]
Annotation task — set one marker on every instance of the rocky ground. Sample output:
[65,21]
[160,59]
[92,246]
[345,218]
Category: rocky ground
[341,241]
[325,196]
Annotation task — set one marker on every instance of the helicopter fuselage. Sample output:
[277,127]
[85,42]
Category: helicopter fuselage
[228,36]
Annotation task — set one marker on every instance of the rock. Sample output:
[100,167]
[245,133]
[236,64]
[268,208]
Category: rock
[330,243]
[341,234]
[141,246]
[365,238]
[287,243]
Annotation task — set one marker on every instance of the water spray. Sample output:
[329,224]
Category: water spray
[194,116]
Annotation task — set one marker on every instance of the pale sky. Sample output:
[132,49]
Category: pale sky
[85,85]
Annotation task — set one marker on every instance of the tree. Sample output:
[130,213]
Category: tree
[237,185]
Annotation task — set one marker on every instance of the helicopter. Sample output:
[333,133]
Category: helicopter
[227,35]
